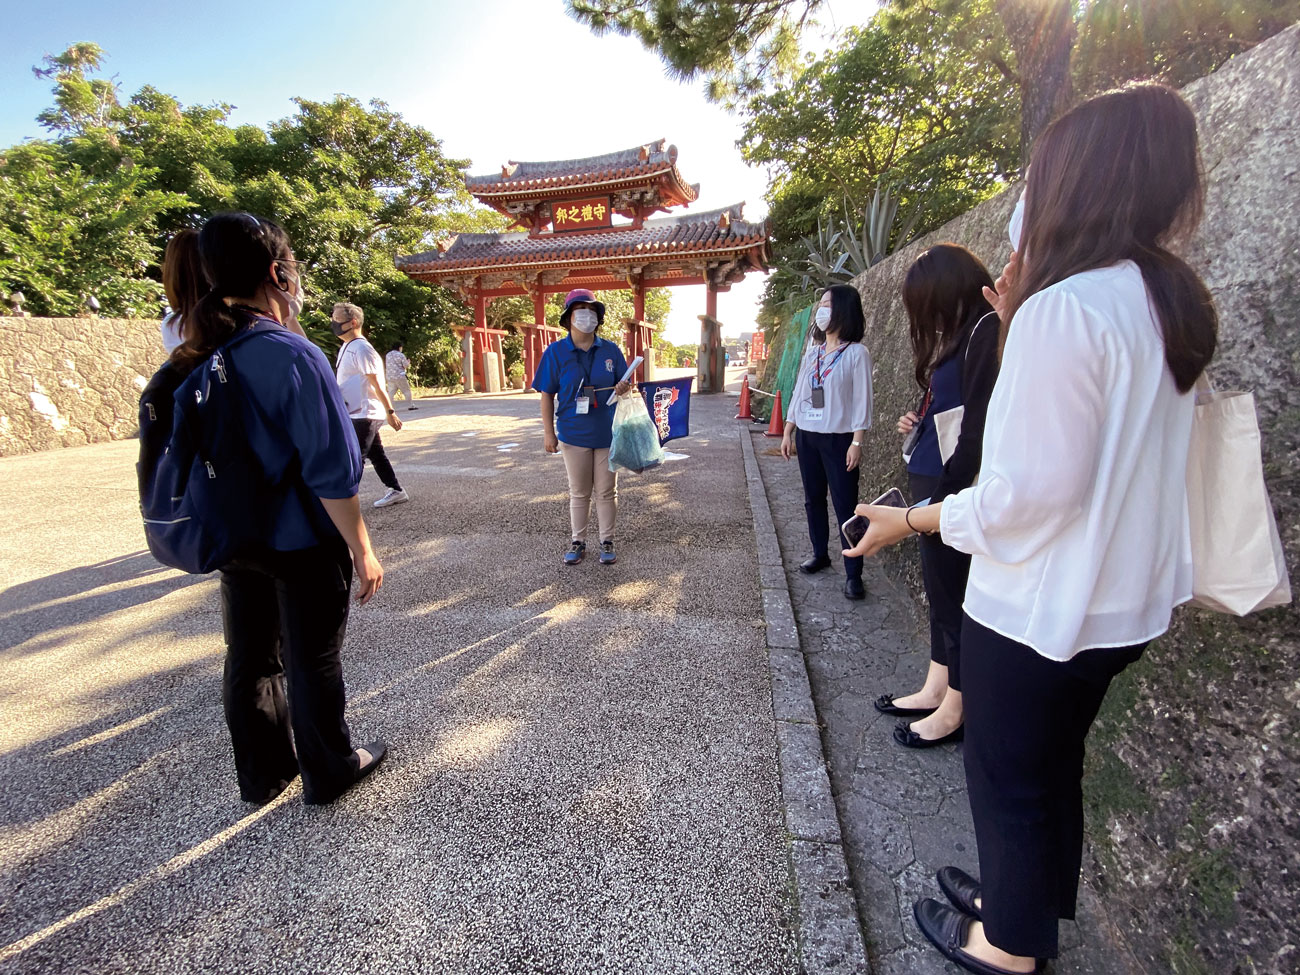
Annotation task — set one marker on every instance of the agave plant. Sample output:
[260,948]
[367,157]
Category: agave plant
[842,250]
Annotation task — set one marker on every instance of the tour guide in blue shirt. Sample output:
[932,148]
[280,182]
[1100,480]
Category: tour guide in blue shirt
[575,377]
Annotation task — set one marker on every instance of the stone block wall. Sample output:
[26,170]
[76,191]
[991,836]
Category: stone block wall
[1194,769]
[71,381]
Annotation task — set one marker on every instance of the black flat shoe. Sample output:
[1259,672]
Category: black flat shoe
[377,749]
[905,736]
[853,589]
[814,564]
[960,888]
[946,928]
[885,705]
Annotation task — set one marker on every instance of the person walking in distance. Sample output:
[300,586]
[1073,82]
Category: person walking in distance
[360,374]
[396,364]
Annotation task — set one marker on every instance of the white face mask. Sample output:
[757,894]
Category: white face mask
[1017,223]
[294,299]
[584,320]
[822,318]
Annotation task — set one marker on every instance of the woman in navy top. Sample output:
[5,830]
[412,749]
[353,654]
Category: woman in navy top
[285,606]
[577,377]
[954,335]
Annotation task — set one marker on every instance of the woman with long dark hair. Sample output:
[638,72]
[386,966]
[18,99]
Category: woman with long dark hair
[183,283]
[829,415]
[954,333]
[285,605]
[1078,527]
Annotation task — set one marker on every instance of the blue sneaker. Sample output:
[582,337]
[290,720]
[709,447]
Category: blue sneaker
[607,556]
[576,553]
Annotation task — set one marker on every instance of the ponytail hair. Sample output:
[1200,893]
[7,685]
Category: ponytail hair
[235,250]
[1119,178]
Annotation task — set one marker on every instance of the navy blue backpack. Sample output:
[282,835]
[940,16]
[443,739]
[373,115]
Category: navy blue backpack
[203,495]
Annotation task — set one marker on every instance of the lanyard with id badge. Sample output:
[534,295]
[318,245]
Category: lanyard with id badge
[586,391]
[817,393]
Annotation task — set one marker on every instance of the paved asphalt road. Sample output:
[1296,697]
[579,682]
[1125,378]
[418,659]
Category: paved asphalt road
[582,774]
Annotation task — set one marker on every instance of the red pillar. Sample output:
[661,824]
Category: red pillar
[711,303]
[534,342]
[480,323]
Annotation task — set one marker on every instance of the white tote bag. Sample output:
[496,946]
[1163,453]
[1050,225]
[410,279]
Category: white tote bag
[1237,561]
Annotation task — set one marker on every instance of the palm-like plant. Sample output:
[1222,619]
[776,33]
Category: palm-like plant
[841,250]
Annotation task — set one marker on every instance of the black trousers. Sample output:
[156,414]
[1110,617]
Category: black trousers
[1027,718]
[372,449]
[285,614]
[821,464]
[944,571]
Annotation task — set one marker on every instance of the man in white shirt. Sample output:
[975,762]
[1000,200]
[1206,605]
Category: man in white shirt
[396,363]
[360,374]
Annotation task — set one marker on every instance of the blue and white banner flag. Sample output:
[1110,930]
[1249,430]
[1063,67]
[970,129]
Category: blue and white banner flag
[669,403]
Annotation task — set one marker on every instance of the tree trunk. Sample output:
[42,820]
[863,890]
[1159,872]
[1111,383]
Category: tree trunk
[1041,34]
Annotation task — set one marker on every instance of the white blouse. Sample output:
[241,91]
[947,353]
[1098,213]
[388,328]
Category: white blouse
[847,397]
[1078,525]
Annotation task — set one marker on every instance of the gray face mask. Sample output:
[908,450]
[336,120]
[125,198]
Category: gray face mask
[585,320]
[338,328]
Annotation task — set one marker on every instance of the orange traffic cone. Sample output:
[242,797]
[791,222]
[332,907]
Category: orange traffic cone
[744,413]
[777,427]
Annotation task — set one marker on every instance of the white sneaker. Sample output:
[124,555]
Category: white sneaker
[392,497]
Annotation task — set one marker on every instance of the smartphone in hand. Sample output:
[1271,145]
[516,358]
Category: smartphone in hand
[856,526]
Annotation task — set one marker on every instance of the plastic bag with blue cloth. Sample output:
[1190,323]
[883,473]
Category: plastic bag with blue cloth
[635,446]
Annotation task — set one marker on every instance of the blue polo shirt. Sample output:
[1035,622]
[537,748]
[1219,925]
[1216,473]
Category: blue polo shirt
[564,370]
[298,428]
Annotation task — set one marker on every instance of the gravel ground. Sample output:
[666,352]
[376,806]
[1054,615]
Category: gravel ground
[582,775]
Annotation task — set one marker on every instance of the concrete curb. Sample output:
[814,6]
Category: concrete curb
[829,930]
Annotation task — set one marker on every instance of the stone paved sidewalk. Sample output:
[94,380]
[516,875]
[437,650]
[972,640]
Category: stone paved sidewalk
[903,813]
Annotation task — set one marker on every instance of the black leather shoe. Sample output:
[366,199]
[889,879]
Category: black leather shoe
[905,736]
[946,928]
[885,705]
[960,888]
[853,588]
[814,564]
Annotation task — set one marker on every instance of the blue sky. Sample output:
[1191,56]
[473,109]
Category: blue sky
[494,79]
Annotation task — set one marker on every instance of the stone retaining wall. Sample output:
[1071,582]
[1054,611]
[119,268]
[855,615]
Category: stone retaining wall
[71,381]
[1193,791]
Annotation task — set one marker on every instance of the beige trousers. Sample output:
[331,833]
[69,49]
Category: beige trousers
[400,384]
[589,473]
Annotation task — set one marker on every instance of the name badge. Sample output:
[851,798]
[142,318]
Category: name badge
[813,414]
[584,405]
[818,397]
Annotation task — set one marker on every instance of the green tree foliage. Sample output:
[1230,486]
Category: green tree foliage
[907,101]
[737,45]
[66,237]
[89,211]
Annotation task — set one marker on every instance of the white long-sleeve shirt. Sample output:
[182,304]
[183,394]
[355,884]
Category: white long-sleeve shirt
[847,404]
[1078,525]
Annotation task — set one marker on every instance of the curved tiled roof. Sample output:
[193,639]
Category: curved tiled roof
[639,162]
[717,231]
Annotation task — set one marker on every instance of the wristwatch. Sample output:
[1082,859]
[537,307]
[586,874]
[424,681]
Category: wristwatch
[392,412]
[857,443]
